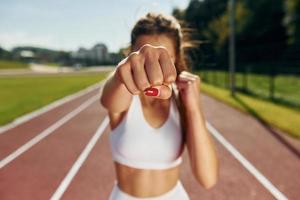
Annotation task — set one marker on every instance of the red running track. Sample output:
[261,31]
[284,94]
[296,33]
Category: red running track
[38,172]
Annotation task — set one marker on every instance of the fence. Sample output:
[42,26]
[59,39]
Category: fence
[270,71]
[280,85]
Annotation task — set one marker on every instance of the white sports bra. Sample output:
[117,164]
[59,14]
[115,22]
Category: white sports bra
[137,144]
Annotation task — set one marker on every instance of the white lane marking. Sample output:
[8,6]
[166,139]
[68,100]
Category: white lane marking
[237,155]
[47,131]
[80,160]
[47,108]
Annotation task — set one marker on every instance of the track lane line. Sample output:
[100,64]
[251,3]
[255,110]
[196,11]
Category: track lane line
[80,160]
[246,164]
[20,120]
[47,131]
[235,153]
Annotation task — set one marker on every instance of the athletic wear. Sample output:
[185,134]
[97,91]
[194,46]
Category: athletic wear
[176,193]
[137,144]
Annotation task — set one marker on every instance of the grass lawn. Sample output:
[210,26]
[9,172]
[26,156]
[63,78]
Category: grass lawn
[282,117]
[22,94]
[286,86]
[7,64]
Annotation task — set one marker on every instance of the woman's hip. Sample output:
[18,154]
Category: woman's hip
[176,193]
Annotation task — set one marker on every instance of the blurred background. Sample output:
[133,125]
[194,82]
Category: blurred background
[247,55]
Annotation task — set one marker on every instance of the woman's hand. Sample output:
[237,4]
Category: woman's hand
[149,70]
[188,85]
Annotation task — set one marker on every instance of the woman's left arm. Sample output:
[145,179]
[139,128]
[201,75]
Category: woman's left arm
[201,149]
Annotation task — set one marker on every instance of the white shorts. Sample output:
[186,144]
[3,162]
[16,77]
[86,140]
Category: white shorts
[176,193]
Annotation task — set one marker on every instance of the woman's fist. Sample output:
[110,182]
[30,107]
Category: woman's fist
[188,85]
[149,67]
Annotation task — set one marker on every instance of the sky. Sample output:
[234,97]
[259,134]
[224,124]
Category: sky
[70,24]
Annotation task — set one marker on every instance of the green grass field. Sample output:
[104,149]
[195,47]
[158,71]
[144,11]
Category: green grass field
[23,94]
[279,116]
[7,64]
[286,86]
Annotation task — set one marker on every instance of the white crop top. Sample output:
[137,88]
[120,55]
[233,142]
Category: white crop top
[137,144]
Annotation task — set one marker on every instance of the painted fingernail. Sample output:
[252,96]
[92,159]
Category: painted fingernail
[151,92]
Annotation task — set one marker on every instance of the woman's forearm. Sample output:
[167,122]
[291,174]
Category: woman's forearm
[114,95]
[201,149]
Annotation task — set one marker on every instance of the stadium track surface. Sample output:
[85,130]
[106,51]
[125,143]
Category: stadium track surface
[39,171]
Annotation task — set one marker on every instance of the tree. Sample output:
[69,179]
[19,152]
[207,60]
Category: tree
[292,20]
[4,54]
[260,33]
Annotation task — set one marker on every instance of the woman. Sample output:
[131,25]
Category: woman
[154,108]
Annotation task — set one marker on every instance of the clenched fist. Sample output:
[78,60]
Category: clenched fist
[149,70]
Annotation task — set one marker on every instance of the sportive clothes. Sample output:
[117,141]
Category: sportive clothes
[176,193]
[137,144]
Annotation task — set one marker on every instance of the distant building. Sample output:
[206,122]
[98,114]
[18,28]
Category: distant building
[26,54]
[98,53]
[81,53]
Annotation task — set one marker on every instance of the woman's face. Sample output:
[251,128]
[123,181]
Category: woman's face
[156,40]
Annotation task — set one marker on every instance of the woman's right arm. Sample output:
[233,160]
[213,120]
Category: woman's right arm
[114,95]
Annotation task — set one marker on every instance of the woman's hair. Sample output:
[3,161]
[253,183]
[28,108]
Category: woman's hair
[157,24]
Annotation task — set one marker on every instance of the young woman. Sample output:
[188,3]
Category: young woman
[155,110]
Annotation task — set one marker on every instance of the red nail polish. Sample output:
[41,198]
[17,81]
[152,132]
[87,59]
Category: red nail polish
[151,92]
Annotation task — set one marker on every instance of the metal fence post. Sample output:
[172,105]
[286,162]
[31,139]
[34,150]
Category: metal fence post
[231,7]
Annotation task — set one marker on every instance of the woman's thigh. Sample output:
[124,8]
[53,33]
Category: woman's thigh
[177,193]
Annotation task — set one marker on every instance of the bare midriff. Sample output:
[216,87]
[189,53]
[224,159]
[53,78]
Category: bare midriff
[146,182]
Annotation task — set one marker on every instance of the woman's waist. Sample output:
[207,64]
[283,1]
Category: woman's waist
[146,182]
